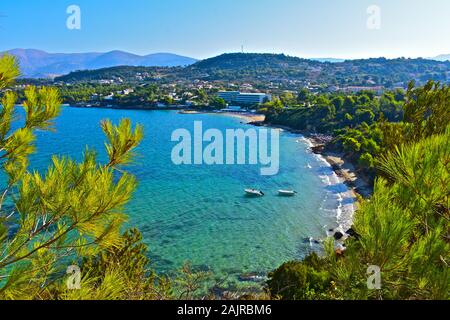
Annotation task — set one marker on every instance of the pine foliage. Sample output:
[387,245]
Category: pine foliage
[72,211]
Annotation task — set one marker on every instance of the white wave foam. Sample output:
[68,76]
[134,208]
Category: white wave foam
[306,141]
[344,211]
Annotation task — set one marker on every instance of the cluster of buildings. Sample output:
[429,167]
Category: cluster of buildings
[111,96]
[355,89]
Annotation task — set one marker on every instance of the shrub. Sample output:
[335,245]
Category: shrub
[300,280]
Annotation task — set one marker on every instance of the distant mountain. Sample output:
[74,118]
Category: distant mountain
[40,64]
[330,60]
[442,57]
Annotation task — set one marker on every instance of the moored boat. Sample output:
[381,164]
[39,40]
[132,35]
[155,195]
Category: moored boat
[289,193]
[254,192]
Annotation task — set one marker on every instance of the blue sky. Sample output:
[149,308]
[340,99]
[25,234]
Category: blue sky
[204,28]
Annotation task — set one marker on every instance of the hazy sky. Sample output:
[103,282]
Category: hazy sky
[203,28]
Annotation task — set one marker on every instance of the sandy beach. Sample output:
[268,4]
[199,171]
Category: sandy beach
[342,167]
[348,198]
[245,116]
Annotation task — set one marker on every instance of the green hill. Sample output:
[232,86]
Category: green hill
[279,68]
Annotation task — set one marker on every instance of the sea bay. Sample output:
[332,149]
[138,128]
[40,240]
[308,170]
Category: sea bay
[199,213]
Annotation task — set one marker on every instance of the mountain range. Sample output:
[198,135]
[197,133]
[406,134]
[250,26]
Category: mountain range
[40,64]
[442,57]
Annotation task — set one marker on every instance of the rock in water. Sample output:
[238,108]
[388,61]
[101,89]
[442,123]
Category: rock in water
[252,276]
[338,235]
[352,233]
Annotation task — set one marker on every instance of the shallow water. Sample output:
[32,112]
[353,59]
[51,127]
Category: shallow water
[199,213]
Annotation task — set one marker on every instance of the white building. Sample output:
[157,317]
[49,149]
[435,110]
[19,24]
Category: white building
[127,91]
[228,96]
[109,97]
[253,98]
[244,98]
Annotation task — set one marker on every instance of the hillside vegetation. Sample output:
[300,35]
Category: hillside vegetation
[402,229]
[292,71]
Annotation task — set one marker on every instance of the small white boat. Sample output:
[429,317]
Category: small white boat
[254,192]
[289,193]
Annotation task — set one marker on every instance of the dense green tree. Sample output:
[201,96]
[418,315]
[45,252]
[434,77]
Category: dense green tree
[403,227]
[129,262]
[273,107]
[51,220]
[427,110]
[217,103]
[300,280]
[303,96]
[288,99]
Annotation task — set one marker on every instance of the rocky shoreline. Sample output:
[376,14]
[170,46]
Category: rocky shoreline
[358,183]
[359,186]
[343,168]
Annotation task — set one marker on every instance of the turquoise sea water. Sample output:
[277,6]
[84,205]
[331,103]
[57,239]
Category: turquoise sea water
[199,213]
